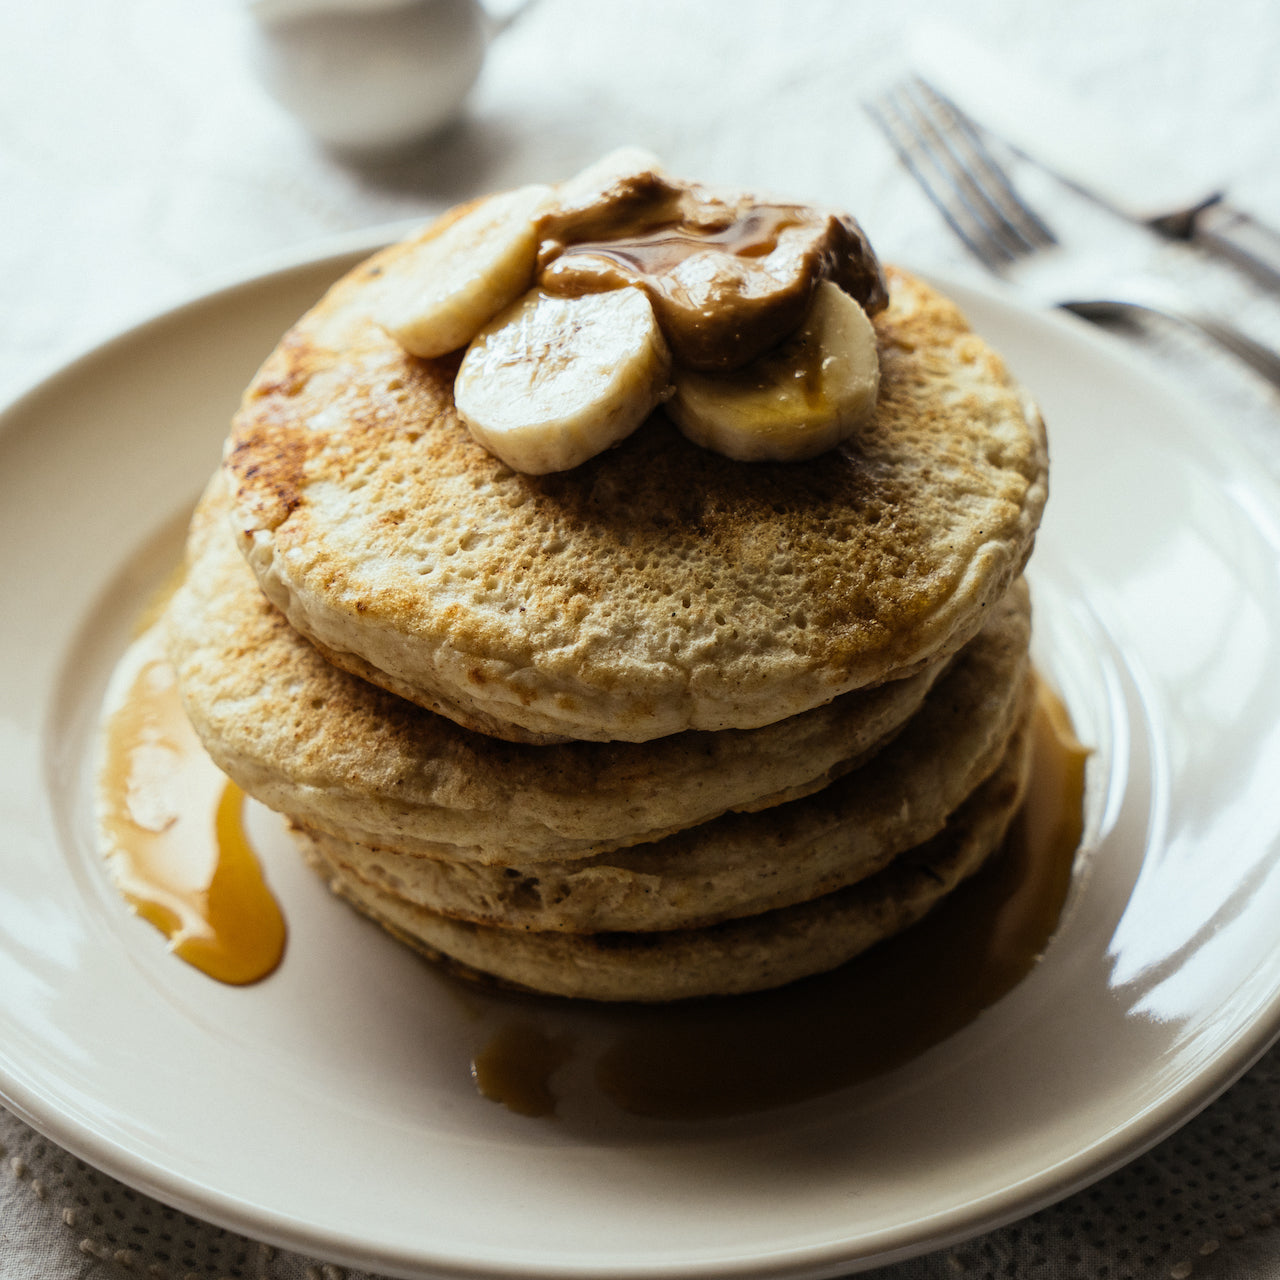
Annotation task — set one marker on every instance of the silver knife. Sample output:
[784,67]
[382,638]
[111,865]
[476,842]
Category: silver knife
[1069,139]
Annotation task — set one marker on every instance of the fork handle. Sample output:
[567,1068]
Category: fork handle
[1261,359]
[1233,234]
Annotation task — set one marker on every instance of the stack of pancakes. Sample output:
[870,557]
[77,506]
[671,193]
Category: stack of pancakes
[664,725]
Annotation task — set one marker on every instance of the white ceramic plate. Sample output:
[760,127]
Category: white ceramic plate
[323,1109]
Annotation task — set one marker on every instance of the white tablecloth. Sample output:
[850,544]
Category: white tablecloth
[140,160]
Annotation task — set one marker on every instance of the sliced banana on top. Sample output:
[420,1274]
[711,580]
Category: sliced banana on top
[553,381]
[589,188]
[797,400]
[456,281]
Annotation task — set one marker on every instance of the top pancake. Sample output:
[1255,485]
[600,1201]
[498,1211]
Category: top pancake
[658,587]
[338,754]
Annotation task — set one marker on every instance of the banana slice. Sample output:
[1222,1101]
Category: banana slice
[553,381]
[623,165]
[456,281]
[794,402]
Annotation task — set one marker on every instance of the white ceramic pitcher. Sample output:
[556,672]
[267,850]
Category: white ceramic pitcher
[367,75]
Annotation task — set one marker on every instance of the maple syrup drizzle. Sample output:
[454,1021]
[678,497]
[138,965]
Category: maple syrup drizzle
[651,253]
[539,1053]
[710,1058]
[171,829]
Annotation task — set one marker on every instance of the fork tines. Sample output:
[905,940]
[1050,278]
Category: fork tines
[947,155]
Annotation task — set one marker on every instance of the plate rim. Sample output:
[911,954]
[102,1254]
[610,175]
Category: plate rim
[41,1110]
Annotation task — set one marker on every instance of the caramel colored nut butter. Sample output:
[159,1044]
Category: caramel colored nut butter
[728,278]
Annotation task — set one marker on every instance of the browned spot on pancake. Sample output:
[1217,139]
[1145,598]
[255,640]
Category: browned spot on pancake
[286,372]
[267,473]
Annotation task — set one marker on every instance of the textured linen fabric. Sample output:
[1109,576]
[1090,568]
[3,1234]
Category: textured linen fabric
[127,181]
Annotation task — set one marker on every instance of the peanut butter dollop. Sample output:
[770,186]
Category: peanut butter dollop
[729,278]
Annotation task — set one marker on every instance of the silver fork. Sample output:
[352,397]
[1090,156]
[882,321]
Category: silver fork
[946,154]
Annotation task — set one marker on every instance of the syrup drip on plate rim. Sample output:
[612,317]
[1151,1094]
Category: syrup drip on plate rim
[171,829]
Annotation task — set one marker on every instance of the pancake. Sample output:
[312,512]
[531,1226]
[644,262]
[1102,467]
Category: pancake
[744,864]
[655,589]
[357,763]
[735,957]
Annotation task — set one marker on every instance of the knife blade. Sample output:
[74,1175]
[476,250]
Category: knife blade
[1071,140]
